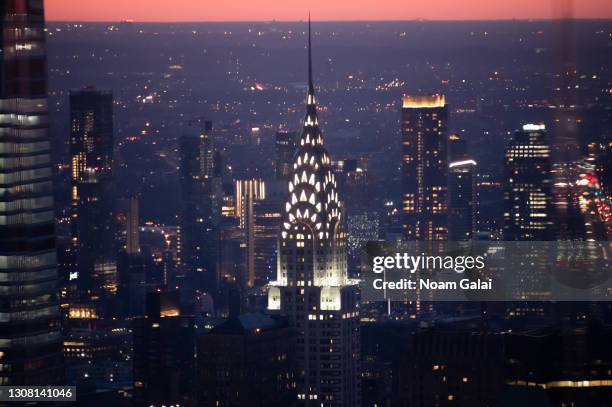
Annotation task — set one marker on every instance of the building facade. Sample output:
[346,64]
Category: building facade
[201,194]
[248,193]
[92,191]
[284,149]
[268,218]
[461,199]
[312,287]
[164,349]
[30,340]
[424,168]
[528,186]
[247,361]
[488,207]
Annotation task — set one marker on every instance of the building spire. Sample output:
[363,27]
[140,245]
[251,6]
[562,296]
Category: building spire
[313,198]
[310,84]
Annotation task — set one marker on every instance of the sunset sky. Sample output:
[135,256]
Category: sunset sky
[266,10]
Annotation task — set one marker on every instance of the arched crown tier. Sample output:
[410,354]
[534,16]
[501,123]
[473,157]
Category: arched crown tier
[313,195]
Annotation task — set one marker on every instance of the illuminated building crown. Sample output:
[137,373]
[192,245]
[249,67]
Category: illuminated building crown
[313,196]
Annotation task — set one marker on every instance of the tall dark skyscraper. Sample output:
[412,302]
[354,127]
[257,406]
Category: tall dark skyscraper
[528,186]
[312,287]
[460,190]
[488,210]
[268,217]
[285,148]
[424,168]
[92,190]
[132,232]
[30,340]
[201,193]
[461,199]
[164,348]
[247,361]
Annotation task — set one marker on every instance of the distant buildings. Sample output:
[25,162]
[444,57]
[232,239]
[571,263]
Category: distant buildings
[528,186]
[285,146]
[133,277]
[604,165]
[232,254]
[234,239]
[247,194]
[30,341]
[132,225]
[267,223]
[528,212]
[201,197]
[258,209]
[97,355]
[461,203]
[93,192]
[312,288]
[456,363]
[461,174]
[567,365]
[362,227]
[424,168]
[470,361]
[382,347]
[164,349]
[570,222]
[247,361]
[488,211]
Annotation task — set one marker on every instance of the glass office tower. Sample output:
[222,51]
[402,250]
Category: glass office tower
[30,341]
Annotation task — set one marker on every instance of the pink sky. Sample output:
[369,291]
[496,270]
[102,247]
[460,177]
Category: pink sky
[266,10]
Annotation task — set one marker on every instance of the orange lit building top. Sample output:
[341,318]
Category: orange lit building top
[427,101]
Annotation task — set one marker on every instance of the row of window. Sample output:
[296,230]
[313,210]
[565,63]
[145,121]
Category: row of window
[24,148]
[17,163]
[27,218]
[31,261]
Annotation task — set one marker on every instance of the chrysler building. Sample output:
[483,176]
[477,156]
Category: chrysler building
[312,288]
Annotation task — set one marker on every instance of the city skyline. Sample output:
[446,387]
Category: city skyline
[343,10]
[192,215]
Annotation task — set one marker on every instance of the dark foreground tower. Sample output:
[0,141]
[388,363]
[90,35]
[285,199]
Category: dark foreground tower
[30,341]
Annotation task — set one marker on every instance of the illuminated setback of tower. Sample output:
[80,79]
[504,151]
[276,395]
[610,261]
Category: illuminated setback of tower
[312,288]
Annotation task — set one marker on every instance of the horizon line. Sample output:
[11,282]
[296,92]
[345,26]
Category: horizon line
[134,21]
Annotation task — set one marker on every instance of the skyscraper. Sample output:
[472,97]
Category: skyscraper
[92,190]
[488,207]
[528,186]
[267,220]
[30,340]
[164,348]
[132,232]
[460,203]
[460,190]
[312,287]
[200,205]
[246,361]
[248,193]
[424,168]
[285,147]
[528,213]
